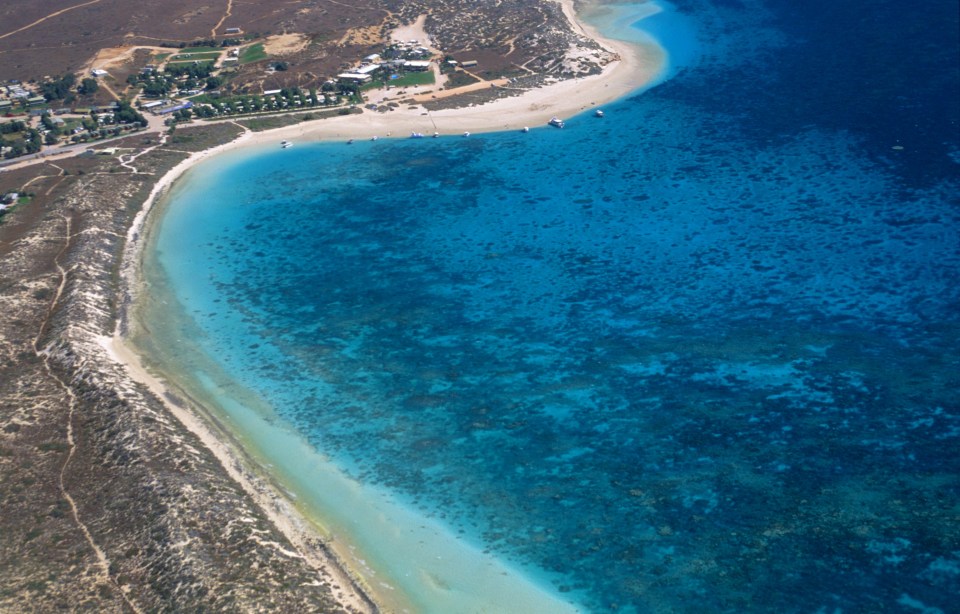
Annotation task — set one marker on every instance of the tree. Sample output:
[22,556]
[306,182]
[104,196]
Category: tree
[32,141]
[156,89]
[16,149]
[88,87]
[58,88]
[11,127]
[126,114]
[47,121]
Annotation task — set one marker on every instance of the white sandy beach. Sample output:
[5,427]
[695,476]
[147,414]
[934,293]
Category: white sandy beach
[636,66]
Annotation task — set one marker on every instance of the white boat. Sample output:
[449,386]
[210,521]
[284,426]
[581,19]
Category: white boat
[286,144]
[416,135]
[374,138]
[556,122]
[466,134]
[436,135]
[526,129]
[599,113]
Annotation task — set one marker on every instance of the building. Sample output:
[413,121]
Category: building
[468,63]
[98,72]
[369,69]
[417,65]
[372,58]
[233,31]
[177,107]
[354,77]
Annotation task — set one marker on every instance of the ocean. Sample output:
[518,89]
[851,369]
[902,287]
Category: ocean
[701,354]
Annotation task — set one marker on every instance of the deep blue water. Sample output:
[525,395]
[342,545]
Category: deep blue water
[699,355]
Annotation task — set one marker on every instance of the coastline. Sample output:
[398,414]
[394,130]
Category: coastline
[637,65]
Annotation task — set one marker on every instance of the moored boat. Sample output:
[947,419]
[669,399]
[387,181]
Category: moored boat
[556,122]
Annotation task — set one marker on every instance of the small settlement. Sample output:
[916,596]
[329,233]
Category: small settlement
[191,81]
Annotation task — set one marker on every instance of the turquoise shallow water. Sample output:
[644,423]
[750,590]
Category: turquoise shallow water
[698,355]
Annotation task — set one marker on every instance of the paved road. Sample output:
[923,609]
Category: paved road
[154,124]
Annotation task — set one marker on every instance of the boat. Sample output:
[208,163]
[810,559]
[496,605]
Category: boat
[599,113]
[350,142]
[525,129]
[556,122]
[466,134]
[436,135]
[374,138]
[416,135]
[286,144]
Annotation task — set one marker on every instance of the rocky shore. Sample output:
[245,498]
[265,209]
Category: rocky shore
[109,503]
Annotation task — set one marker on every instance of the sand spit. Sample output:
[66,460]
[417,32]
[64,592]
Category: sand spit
[635,67]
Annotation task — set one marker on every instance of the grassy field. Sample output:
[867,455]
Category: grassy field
[200,49]
[203,57]
[412,78]
[253,53]
[408,79]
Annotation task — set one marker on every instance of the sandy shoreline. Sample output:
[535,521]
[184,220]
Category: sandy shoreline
[635,67]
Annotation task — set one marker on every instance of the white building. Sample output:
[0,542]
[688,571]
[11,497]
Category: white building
[354,77]
[418,65]
[369,69]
